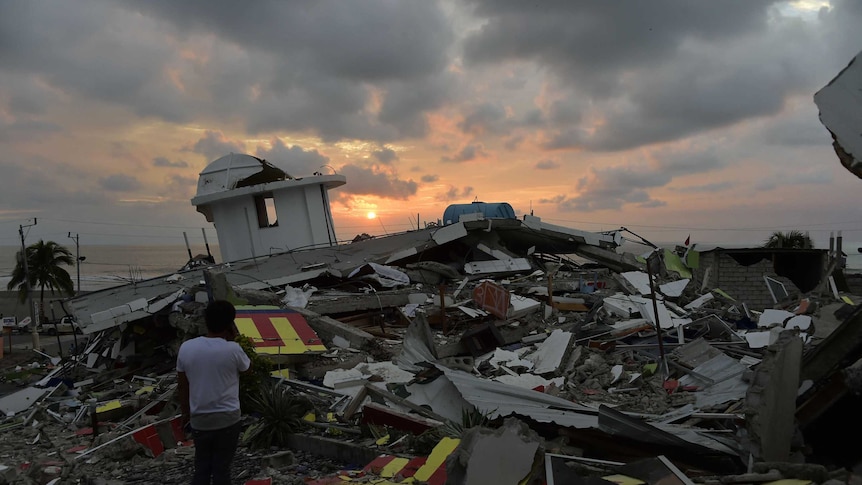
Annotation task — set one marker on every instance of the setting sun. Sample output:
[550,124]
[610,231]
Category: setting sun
[371,215]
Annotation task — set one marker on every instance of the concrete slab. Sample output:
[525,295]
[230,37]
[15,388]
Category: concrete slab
[674,288]
[21,400]
[503,456]
[639,280]
[549,354]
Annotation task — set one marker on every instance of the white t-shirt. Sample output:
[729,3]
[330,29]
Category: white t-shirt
[212,365]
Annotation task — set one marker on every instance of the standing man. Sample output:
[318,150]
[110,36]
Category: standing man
[208,371]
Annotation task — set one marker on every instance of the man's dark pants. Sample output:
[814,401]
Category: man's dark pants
[214,452]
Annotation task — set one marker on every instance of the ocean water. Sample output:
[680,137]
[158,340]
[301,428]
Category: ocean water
[107,266]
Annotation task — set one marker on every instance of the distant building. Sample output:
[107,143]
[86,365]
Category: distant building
[741,273]
[258,209]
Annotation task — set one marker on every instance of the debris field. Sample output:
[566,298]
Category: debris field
[488,351]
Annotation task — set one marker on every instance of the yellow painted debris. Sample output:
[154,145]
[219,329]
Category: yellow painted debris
[623,480]
[393,467]
[108,406]
[281,373]
[437,457]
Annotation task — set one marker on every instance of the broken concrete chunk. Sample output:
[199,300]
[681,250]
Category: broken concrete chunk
[647,309]
[417,346]
[521,305]
[493,298]
[771,400]
[675,288]
[639,280]
[327,328]
[549,355]
[530,381]
[297,297]
[498,266]
[385,276]
[771,318]
[508,358]
[623,306]
[503,456]
[759,340]
[699,302]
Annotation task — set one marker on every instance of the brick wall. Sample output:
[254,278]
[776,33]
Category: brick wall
[743,283]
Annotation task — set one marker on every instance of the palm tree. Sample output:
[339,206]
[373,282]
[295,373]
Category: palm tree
[789,240]
[43,265]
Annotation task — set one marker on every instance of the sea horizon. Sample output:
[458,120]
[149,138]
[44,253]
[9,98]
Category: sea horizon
[106,265]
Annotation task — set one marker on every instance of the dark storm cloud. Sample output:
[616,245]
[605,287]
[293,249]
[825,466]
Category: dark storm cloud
[699,95]
[546,165]
[430,178]
[63,187]
[178,187]
[293,160]
[469,152]
[653,71]
[120,183]
[164,162]
[590,42]
[678,163]
[26,129]
[706,188]
[616,186]
[324,57]
[485,117]
[214,145]
[25,94]
[314,67]
[797,132]
[371,41]
[385,155]
[406,102]
[611,188]
[92,49]
[782,180]
[514,142]
[368,181]
[454,193]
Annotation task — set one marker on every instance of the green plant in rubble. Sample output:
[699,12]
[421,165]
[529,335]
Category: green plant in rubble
[425,442]
[251,383]
[281,414]
[470,418]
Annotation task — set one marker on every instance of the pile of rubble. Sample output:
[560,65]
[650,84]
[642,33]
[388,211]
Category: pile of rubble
[487,351]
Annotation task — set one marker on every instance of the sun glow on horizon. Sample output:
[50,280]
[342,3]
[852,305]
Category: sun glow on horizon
[371,215]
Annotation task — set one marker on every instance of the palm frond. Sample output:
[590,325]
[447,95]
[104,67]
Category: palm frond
[281,414]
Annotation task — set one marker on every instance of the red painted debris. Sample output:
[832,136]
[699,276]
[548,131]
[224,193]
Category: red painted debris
[493,298]
[410,468]
[260,481]
[149,437]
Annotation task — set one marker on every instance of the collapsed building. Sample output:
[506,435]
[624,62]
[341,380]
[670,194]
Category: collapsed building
[579,362]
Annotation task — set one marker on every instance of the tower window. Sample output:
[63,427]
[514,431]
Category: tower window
[265,206]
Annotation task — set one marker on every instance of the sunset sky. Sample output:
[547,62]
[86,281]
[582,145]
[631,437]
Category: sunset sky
[668,117]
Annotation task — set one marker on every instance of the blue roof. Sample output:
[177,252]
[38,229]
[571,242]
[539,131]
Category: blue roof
[490,210]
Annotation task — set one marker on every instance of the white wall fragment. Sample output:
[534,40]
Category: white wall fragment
[674,288]
[639,280]
[549,354]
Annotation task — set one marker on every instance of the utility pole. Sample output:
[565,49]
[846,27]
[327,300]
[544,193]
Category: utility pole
[33,317]
[77,259]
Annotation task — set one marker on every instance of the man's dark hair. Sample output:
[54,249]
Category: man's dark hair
[219,316]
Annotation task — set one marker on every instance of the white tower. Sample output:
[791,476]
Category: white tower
[258,209]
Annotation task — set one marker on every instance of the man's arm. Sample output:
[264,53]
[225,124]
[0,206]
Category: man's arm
[183,387]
